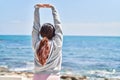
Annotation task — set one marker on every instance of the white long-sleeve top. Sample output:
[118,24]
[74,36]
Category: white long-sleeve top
[53,64]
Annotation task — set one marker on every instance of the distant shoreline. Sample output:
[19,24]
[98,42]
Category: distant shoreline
[64,35]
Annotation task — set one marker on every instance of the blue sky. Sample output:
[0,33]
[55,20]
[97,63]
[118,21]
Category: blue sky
[79,17]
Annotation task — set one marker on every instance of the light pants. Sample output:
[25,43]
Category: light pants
[46,77]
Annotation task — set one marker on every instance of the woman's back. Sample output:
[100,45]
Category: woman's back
[52,64]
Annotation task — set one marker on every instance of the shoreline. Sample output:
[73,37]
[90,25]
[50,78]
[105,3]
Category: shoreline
[4,72]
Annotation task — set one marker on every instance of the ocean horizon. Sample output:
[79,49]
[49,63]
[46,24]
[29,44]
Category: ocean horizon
[97,56]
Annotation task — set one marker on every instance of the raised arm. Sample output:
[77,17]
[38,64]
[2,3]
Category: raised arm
[58,28]
[57,23]
[36,28]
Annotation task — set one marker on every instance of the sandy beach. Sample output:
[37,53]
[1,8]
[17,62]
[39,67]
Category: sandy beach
[5,74]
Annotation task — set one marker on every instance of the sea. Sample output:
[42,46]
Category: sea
[93,56]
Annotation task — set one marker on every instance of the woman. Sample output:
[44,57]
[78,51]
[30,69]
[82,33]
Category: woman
[48,47]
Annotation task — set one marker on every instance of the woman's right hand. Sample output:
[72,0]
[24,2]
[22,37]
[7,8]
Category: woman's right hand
[48,5]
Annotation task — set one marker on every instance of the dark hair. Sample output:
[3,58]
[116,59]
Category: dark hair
[47,30]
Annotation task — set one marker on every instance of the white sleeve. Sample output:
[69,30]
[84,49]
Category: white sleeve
[58,28]
[36,28]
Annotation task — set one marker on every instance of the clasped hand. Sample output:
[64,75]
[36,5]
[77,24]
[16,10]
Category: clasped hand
[43,6]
